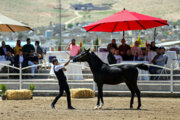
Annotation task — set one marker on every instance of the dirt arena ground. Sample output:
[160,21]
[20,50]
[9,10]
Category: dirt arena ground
[115,108]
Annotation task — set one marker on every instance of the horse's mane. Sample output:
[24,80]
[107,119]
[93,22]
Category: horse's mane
[97,59]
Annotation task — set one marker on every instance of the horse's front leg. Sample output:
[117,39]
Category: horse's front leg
[100,97]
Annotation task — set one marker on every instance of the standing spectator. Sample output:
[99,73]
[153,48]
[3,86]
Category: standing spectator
[28,47]
[153,47]
[128,56]
[117,56]
[20,59]
[32,60]
[17,48]
[74,48]
[110,57]
[136,50]
[123,48]
[112,44]
[38,50]
[4,48]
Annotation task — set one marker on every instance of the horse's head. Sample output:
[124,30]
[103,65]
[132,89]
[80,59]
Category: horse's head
[82,57]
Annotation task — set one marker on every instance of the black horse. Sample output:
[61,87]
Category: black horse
[112,75]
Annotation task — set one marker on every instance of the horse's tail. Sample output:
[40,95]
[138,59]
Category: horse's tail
[142,66]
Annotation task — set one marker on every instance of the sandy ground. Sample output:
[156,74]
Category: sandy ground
[115,108]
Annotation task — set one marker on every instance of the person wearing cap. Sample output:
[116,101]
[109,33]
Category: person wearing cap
[63,86]
[74,48]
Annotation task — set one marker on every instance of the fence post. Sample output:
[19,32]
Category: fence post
[94,86]
[171,80]
[20,76]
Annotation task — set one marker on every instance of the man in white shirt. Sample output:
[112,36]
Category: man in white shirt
[63,86]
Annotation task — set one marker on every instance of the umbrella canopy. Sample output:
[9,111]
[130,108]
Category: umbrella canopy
[125,20]
[10,25]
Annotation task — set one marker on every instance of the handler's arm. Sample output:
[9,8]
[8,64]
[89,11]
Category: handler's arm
[68,61]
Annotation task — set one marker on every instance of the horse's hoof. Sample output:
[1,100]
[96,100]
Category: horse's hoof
[138,108]
[96,107]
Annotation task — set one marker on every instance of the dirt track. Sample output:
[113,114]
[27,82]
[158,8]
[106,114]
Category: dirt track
[115,108]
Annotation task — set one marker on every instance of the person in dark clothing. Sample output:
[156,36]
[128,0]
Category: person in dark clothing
[63,86]
[110,57]
[38,50]
[28,47]
[153,47]
[33,60]
[10,57]
[123,48]
[112,44]
[4,48]
[128,56]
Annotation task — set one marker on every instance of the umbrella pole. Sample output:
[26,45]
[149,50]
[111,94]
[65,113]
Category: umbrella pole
[154,34]
[123,34]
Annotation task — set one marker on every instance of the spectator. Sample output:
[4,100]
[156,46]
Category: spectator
[123,48]
[20,59]
[153,47]
[117,56]
[160,59]
[144,54]
[4,48]
[128,56]
[32,60]
[17,48]
[112,44]
[110,57]
[28,47]
[38,50]
[136,51]
[74,48]
[10,57]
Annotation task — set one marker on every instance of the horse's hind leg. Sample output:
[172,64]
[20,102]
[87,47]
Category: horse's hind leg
[138,93]
[132,95]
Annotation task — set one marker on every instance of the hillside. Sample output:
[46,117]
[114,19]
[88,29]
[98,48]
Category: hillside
[42,12]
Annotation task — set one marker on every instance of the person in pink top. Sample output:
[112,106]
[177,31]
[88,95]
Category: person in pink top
[74,48]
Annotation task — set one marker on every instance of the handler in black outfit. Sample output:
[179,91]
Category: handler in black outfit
[58,70]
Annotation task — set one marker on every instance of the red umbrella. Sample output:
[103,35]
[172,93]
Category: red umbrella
[125,20]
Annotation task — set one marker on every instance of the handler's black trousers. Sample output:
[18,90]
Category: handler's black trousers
[63,86]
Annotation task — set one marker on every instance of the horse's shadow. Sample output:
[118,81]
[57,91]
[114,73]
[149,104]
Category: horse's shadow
[124,109]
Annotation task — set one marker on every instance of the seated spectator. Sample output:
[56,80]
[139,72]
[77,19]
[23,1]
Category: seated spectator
[128,56]
[17,48]
[118,57]
[32,60]
[38,50]
[28,47]
[123,48]
[110,57]
[112,44]
[20,59]
[144,56]
[4,48]
[160,59]
[153,47]
[74,48]
[10,57]
[136,51]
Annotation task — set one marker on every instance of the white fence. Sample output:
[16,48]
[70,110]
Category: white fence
[163,79]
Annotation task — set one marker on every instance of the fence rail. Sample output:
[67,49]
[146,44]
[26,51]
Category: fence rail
[169,82]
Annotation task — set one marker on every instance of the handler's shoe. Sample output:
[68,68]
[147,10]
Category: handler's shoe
[52,106]
[71,108]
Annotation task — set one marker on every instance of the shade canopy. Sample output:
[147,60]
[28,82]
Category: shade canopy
[125,20]
[10,25]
